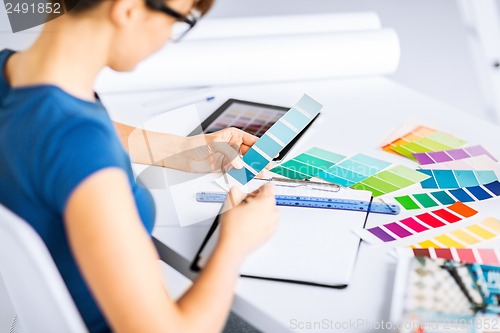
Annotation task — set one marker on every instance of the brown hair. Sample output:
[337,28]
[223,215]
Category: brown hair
[79,6]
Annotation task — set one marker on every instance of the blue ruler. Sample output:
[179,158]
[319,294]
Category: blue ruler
[314,202]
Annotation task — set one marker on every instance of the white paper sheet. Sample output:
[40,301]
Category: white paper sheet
[310,244]
[284,25]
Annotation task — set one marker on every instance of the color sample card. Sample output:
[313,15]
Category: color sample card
[482,162]
[451,155]
[445,179]
[423,139]
[466,256]
[274,140]
[471,235]
[417,133]
[390,180]
[353,170]
[448,197]
[308,164]
[411,226]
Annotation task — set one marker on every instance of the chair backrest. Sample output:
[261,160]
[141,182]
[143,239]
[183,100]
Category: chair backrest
[37,291]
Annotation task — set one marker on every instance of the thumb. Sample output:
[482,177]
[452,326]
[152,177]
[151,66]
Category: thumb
[229,152]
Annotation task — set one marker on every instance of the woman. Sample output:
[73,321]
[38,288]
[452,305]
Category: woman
[64,170]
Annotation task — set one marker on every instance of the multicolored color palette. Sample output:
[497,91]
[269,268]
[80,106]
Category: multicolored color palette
[447,197]
[414,225]
[390,180]
[421,140]
[308,164]
[276,138]
[451,155]
[445,179]
[468,236]
[466,256]
[353,170]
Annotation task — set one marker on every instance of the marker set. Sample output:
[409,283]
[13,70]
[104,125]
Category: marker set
[468,236]
[421,140]
[308,164]
[275,139]
[446,179]
[415,225]
[390,180]
[452,155]
[466,256]
[448,197]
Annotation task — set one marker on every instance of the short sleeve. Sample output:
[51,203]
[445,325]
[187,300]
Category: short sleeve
[73,152]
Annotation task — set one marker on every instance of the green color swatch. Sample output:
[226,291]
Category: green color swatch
[425,200]
[407,202]
[391,180]
[308,164]
[433,142]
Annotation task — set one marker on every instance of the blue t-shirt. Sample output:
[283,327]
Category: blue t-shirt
[50,142]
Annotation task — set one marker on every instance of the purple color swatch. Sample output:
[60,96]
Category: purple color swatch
[451,155]
[441,156]
[398,230]
[458,154]
[381,234]
[479,150]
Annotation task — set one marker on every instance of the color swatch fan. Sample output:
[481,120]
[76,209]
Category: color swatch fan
[272,142]
[448,197]
[408,228]
[422,140]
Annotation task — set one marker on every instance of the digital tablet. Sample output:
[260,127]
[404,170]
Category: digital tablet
[254,118]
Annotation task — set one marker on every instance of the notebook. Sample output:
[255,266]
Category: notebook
[311,246]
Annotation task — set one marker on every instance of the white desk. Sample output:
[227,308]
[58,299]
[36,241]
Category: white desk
[358,115]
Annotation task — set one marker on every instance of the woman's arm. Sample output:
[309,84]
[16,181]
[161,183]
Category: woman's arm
[118,259]
[149,147]
[200,153]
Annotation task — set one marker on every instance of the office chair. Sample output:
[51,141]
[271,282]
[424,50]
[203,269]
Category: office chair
[37,291]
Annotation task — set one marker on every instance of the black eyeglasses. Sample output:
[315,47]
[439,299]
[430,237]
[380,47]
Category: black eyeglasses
[184,23]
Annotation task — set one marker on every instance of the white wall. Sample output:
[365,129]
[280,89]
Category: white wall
[435,57]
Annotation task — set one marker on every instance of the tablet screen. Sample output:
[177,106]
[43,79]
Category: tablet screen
[254,118]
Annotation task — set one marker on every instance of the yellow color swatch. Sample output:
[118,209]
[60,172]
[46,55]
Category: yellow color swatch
[464,236]
[492,223]
[427,244]
[481,232]
[448,241]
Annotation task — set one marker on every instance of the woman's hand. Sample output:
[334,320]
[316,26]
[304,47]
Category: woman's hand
[200,153]
[248,221]
[212,152]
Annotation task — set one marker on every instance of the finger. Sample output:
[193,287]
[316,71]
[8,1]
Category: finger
[237,162]
[244,149]
[232,155]
[234,198]
[266,191]
[247,139]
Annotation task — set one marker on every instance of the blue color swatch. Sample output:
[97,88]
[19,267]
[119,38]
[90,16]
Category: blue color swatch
[448,179]
[276,138]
